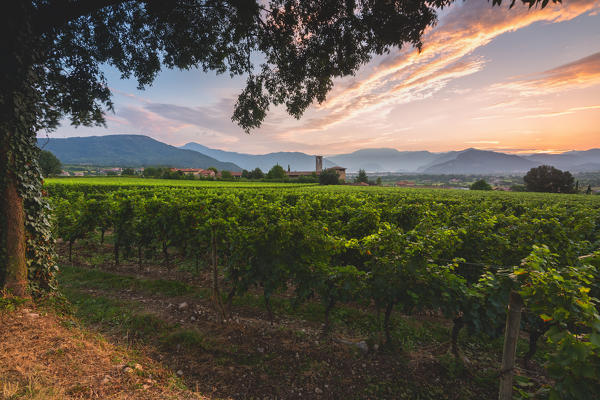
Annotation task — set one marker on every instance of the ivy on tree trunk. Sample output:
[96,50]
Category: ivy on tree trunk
[13,238]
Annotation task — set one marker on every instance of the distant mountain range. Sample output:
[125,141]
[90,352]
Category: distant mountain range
[466,162]
[128,151]
[138,151]
[297,161]
[482,162]
[380,160]
[579,161]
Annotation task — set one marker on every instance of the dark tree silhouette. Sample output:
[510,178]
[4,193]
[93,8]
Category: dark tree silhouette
[256,173]
[49,164]
[53,51]
[329,177]
[480,185]
[362,176]
[546,178]
[276,172]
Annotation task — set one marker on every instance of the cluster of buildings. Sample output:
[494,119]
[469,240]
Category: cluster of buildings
[199,172]
[341,171]
[209,173]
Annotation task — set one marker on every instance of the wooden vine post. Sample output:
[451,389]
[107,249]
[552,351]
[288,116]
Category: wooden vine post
[511,336]
[216,293]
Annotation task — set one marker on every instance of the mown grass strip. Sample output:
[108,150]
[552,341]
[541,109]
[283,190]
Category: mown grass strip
[75,277]
[346,318]
[127,318]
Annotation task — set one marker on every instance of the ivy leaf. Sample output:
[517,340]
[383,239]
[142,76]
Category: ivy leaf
[546,318]
[595,339]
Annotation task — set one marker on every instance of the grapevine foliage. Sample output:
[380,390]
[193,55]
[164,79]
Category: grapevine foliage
[459,254]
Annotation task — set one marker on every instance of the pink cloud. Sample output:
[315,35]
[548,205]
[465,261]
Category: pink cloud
[407,74]
[581,73]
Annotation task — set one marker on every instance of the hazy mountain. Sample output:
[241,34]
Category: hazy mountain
[571,160]
[138,150]
[587,167]
[128,151]
[384,160]
[440,158]
[472,161]
[469,161]
[296,160]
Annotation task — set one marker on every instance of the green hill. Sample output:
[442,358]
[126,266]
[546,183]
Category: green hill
[128,151]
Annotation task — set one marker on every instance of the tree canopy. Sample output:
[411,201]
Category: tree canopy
[49,164]
[329,177]
[54,52]
[256,173]
[276,172]
[362,176]
[546,178]
[481,184]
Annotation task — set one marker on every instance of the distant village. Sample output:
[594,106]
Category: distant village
[200,173]
[461,182]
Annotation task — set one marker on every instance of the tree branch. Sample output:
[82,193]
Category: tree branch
[60,12]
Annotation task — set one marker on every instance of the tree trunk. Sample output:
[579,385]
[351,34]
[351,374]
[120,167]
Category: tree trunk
[166,255]
[230,299]
[12,218]
[102,236]
[458,324]
[70,251]
[16,131]
[511,336]
[533,339]
[268,307]
[327,324]
[140,264]
[386,323]
[216,293]
[116,253]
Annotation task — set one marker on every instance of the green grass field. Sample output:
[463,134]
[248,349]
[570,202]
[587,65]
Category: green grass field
[114,183]
[127,181]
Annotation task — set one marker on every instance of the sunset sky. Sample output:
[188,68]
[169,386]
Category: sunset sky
[513,80]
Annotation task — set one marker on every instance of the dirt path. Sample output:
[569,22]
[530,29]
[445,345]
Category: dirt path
[42,358]
[246,357]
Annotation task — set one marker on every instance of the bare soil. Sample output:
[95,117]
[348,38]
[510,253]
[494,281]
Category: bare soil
[41,358]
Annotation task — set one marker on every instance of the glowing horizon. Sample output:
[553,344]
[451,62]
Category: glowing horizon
[510,80]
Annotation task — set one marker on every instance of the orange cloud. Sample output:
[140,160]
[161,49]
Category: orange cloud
[420,84]
[408,75]
[582,73]
[559,113]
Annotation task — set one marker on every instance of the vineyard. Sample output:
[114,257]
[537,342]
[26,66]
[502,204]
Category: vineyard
[390,253]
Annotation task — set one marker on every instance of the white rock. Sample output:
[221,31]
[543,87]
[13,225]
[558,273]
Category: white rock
[180,372]
[318,391]
[183,306]
[363,346]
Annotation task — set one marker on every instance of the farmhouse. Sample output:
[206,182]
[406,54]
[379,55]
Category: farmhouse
[195,171]
[318,169]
